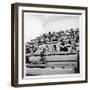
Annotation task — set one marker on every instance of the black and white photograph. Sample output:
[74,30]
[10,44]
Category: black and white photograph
[49,44]
[52,43]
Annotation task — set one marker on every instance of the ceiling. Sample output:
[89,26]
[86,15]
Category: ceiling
[50,17]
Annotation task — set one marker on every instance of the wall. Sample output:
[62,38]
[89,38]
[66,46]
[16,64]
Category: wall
[63,24]
[5,45]
[32,23]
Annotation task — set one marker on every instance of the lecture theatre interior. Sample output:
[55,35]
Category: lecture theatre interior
[54,48]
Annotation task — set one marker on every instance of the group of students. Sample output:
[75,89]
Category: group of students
[55,42]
